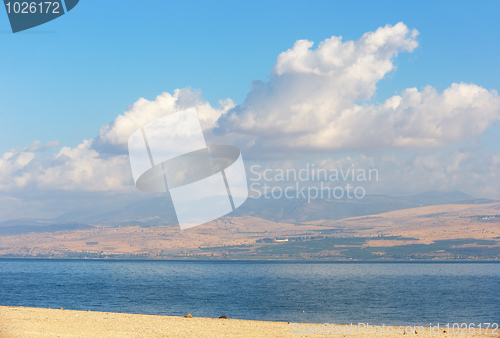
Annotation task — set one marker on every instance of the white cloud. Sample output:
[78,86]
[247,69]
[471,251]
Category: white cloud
[116,133]
[100,164]
[404,173]
[84,169]
[316,100]
[80,168]
[367,59]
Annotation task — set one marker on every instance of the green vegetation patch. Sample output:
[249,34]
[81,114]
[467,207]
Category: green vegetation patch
[229,247]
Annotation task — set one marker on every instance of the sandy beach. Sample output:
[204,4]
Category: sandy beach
[36,322]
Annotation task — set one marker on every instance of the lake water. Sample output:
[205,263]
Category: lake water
[374,293]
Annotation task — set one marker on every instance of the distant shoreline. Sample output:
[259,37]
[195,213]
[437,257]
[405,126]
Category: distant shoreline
[326,261]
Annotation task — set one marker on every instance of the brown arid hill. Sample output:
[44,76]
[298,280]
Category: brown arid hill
[440,232]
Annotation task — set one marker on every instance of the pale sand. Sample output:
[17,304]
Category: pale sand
[35,322]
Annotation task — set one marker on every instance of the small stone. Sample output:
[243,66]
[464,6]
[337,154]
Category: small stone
[223,317]
[188,316]
[61,308]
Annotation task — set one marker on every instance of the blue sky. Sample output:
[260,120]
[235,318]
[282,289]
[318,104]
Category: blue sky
[66,79]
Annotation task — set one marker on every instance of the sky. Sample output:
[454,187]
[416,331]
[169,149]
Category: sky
[407,88]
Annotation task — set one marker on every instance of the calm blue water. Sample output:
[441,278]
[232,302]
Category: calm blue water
[375,293]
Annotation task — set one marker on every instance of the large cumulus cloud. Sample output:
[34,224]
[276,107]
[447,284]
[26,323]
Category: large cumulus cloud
[115,134]
[319,100]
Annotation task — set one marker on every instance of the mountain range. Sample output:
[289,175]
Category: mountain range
[160,211]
